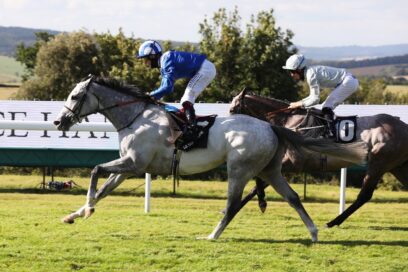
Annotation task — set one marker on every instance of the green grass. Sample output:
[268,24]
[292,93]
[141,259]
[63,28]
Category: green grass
[10,70]
[121,237]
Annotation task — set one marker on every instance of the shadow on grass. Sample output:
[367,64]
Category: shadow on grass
[308,242]
[140,193]
[388,228]
[131,193]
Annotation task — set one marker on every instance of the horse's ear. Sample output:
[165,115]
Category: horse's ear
[244,91]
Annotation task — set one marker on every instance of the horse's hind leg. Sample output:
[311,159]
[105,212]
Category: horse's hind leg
[283,188]
[401,173]
[369,184]
[260,192]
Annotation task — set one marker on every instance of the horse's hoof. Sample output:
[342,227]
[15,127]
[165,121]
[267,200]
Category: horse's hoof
[262,206]
[67,220]
[89,212]
[208,238]
[314,235]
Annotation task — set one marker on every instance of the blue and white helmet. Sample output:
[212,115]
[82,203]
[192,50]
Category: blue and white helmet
[149,48]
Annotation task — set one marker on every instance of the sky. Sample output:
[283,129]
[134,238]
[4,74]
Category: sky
[317,23]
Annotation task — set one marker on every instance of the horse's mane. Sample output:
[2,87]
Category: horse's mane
[120,86]
[272,102]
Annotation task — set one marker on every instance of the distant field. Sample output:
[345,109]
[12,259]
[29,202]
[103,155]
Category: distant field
[7,92]
[380,70]
[10,70]
[398,90]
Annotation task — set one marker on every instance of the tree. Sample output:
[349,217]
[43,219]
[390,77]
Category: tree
[253,59]
[222,43]
[60,64]
[266,49]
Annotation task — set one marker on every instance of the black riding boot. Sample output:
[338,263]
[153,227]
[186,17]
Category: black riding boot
[190,131]
[328,114]
[190,113]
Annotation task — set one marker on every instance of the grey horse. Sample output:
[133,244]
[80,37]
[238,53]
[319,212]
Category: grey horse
[386,138]
[249,146]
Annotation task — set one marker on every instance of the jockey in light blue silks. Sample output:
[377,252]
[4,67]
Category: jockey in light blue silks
[174,65]
[343,82]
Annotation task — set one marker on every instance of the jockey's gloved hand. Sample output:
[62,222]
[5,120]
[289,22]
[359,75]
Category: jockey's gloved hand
[151,96]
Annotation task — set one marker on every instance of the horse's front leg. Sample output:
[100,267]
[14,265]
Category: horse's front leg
[238,177]
[87,210]
[119,168]
[235,191]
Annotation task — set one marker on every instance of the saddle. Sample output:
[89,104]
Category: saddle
[315,125]
[182,136]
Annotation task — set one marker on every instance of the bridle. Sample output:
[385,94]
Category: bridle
[76,116]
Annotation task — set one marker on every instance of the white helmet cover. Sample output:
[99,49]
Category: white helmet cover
[294,62]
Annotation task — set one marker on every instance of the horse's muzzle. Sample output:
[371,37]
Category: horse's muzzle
[63,124]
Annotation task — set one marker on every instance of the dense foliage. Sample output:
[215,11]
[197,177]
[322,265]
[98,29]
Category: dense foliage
[243,59]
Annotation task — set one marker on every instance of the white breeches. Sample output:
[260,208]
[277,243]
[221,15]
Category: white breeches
[199,81]
[346,88]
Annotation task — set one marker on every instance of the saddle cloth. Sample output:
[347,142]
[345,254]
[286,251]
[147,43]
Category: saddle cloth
[345,126]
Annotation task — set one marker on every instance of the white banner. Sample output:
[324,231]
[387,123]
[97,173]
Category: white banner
[48,111]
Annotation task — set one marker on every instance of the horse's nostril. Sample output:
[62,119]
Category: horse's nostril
[56,123]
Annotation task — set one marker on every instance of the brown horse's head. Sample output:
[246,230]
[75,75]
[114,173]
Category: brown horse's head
[259,107]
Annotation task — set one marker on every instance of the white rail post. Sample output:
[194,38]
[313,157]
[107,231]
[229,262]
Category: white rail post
[148,181]
[343,181]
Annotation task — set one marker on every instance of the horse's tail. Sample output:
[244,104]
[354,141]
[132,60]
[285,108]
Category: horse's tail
[356,152]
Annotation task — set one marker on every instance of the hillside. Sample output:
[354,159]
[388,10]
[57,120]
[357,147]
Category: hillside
[392,70]
[10,37]
[396,66]
[344,53]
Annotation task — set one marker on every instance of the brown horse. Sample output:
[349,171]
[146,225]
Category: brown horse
[385,136]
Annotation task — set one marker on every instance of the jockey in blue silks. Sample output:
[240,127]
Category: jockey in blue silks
[174,65]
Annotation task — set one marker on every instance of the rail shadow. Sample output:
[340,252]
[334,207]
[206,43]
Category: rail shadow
[140,193]
[308,242]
